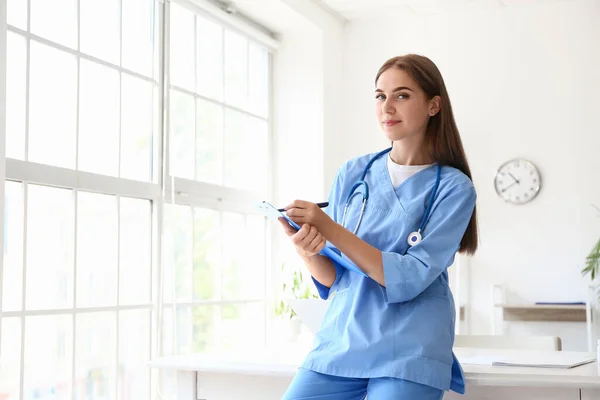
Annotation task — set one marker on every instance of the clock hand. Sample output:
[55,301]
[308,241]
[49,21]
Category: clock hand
[508,187]
[512,176]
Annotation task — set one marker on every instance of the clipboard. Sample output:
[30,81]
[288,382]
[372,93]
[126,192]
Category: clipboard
[271,212]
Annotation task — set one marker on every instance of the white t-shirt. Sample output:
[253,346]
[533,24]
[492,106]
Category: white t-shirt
[399,173]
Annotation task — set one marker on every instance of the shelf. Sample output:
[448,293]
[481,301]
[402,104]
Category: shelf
[545,312]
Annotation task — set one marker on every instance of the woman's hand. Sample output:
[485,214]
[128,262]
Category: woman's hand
[308,240]
[305,212]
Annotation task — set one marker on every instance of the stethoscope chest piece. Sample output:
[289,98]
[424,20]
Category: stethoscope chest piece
[414,238]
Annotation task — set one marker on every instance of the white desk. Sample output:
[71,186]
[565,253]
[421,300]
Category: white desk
[232,377]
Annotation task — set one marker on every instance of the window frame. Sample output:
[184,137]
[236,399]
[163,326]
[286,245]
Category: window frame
[193,193]
[162,189]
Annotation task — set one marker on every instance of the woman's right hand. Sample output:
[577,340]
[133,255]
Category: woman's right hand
[308,240]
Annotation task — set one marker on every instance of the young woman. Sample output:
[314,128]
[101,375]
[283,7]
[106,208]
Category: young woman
[400,215]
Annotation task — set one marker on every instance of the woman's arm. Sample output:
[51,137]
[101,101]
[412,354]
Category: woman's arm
[407,275]
[309,242]
[365,256]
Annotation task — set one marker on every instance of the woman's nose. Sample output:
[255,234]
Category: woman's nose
[388,107]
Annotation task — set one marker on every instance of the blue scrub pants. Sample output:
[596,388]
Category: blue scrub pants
[312,385]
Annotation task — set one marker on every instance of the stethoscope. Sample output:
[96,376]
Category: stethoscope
[414,237]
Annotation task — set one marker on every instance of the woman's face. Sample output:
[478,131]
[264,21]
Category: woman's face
[403,109]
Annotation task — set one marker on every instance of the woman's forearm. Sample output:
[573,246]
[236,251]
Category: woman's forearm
[365,256]
[321,268]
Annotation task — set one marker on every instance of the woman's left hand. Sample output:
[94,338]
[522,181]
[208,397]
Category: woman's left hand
[305,212]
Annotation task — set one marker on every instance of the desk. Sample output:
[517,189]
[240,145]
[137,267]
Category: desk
[232,377]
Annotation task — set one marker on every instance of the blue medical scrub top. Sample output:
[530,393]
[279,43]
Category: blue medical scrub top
[404,330]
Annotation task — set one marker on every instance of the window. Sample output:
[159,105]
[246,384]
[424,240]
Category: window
[215,247]
[98,224]
[80,197]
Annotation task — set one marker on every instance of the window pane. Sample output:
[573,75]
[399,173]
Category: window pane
[204,327]
[167,330]
[53,104]
[209,59]
[236,70]
[45,16]
[209,142]
[48,357]
[207,253]
[12,289]
[136,128]
[258,84]
[96,250]
[255,263]
[233,255]
[243,257]
[246,152]
[17,14]
[10,362]
[98,119]
[178,242]
[100,29]
[138,35]
[247,318]
[134,354]
[185,329]
[16,72]
[182,48]
[135,251]
[95,351]
[182,135]
[49,248]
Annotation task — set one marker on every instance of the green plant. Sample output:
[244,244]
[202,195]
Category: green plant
[592,262]
[297,289]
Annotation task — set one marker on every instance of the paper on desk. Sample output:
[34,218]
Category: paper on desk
[479,360]
[559,359]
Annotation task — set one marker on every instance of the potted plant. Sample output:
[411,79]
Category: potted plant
[297,288]
[592,262]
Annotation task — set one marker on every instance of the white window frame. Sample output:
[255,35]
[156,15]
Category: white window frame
[162,189]
[27,172]
[192,193]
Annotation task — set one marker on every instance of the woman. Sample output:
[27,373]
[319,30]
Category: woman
[389,333]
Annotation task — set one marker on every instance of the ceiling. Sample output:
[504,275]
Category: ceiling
[357,9]
[272,14]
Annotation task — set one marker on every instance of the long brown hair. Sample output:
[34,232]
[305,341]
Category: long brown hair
[442,139]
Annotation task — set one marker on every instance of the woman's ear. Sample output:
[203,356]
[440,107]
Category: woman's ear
[435,104]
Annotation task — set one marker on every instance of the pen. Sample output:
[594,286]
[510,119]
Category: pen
[321,205]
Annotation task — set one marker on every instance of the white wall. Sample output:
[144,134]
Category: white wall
[306,120]
[2,132]
[523,81]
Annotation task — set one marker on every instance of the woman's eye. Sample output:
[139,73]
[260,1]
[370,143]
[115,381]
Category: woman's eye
[403,96]
[380,97]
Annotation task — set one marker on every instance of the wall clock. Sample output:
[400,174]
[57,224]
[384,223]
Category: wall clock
[517,181]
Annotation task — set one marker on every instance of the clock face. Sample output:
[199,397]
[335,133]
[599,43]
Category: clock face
[517,181]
